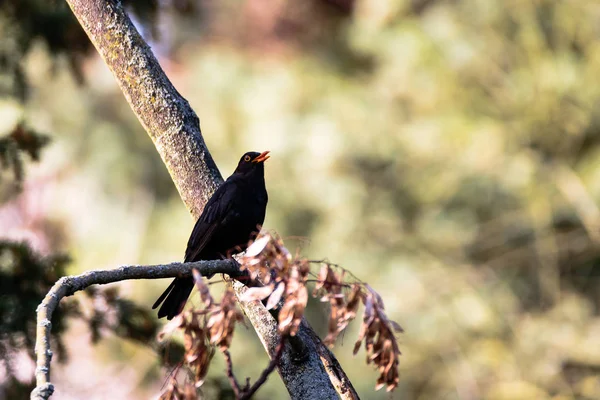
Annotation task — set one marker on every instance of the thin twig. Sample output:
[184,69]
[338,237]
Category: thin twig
[345,285]
[330,264]
[68,285]
[234,383]
[247,391]
[267,371]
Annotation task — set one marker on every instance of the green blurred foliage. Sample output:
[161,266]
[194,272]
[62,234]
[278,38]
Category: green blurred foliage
[25,279]
[447,152]
[20,141]
[28,273]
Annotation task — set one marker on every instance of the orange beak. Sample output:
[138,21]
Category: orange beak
[262,157]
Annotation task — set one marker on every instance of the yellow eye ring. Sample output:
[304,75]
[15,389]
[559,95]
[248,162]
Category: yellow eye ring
[246,158]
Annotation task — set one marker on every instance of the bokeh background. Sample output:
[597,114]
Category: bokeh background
[445,151]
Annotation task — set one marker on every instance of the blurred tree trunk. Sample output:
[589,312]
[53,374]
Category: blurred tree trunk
[174,128]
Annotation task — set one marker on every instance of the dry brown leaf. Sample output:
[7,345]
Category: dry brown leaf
[172,326]
[322,278]
[275,296]
[173,392]
[396,326]
[205,295]
[257,246]
[381,345]
[222,320]
[257,293]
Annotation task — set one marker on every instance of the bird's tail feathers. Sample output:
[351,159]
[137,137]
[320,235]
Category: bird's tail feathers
[174,297]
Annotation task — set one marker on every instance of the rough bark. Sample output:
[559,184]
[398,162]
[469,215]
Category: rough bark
[174,128]
[167,117]
[303,350]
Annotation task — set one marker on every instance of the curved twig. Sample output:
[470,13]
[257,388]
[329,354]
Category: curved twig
[68,285]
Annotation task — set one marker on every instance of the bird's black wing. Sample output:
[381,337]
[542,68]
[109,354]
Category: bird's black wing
[218,206]
[213,215]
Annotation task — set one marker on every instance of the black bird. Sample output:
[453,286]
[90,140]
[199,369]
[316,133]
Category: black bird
[234,214]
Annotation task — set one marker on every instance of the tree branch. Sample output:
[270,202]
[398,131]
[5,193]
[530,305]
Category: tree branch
[325,380]
[174,128]
[167,117]
[68,285]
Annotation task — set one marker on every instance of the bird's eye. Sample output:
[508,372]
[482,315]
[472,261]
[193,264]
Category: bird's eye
[246,158]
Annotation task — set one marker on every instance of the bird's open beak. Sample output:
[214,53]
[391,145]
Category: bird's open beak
[262,157]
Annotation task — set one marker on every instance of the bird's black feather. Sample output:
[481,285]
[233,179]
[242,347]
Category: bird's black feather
[233,214]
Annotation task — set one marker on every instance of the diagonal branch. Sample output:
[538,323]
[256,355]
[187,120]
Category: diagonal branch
[68,285]
[307,367]
[167,117]
[174,128]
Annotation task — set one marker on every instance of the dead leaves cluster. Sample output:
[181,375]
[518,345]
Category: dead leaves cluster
[284,278]
[331,287]
[174,392]
[205,328]
[381,344]
[222,320]
[198,352]
[285,281]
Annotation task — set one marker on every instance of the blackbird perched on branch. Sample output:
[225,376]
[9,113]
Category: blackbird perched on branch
[232,216]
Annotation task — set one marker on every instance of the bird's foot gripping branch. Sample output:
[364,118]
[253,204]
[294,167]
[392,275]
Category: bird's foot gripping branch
[285,292]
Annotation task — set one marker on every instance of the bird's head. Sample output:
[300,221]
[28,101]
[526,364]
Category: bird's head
[251,161]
